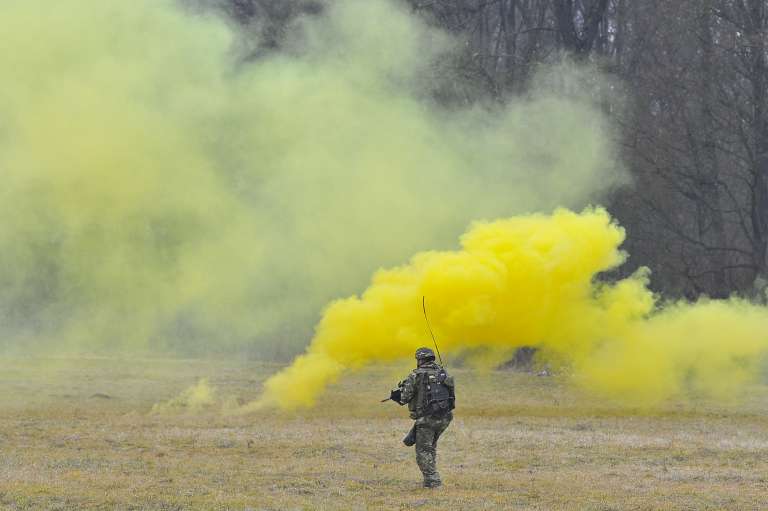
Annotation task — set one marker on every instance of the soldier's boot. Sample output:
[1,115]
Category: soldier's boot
[433,479]
[432,476]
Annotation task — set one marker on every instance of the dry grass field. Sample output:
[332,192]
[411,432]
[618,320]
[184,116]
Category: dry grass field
[79,434]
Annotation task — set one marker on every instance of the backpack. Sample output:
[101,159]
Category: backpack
[438,391]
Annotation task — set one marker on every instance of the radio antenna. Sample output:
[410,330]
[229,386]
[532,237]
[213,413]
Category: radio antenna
[424,308]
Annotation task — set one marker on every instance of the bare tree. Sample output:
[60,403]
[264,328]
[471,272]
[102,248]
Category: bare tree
[693,129]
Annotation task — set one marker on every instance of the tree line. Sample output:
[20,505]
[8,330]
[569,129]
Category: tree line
[691,122]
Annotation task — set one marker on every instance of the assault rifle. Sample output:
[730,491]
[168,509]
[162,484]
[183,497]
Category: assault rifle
[394,395]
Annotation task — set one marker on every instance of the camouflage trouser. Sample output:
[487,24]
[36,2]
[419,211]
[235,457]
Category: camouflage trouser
[428,430]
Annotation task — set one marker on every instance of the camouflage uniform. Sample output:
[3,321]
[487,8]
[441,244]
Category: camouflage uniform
[428,427]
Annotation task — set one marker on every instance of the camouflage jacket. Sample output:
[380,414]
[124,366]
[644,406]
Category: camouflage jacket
[412,391]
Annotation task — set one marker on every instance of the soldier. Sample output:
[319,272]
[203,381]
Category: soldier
[429,393]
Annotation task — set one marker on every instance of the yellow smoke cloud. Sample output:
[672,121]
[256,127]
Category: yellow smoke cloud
[196,398]
[160,191]
[531,281]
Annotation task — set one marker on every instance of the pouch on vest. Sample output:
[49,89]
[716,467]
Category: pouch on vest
[439,392]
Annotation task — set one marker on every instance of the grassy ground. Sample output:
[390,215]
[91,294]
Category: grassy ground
[78,434]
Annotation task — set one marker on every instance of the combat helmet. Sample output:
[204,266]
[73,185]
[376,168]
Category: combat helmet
[424,354]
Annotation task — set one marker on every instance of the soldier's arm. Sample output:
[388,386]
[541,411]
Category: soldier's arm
[408,388]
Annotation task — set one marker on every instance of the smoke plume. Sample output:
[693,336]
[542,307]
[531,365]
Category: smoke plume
[531,281]
[164,190]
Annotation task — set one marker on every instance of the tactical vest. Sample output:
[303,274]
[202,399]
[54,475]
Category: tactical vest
[435,394]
